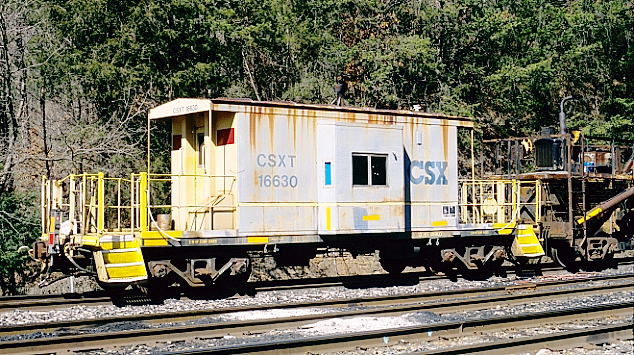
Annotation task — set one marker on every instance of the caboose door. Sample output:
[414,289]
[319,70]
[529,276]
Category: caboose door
[191,186]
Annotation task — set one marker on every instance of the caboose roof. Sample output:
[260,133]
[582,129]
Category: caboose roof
[184,106]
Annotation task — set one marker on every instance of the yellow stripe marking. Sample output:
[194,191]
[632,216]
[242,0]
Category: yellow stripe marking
[372,217]
[51,228]
[257,239]
[328,225]
[122,258]
[592,213]
[503,225]
[439,223]
[157,234]
[127,272]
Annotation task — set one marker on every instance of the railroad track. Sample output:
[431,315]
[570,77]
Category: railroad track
[47,301]
[382,338]
[101,297]
[440,302]
[41,302]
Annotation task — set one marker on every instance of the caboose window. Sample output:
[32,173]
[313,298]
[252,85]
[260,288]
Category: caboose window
[369,169]
[200,146]
[378,170]
[359,170]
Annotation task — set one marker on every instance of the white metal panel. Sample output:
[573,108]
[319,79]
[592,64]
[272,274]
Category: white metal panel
[326,192]
[369,208]
[432,175]
[276,169]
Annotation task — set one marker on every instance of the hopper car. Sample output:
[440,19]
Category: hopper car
[250,178]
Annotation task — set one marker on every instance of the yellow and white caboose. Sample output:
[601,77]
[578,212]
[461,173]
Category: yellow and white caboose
[288,179]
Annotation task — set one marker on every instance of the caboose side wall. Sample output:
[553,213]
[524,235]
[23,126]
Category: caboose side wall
[281,173]
[432,175]
[276,173]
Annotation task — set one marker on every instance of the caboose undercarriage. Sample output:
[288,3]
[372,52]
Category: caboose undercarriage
[126,244]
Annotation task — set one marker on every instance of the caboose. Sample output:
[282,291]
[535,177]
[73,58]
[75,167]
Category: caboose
[291,180]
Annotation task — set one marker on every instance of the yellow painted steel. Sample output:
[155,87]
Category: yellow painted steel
[497,201]
[161,234]
[328,221]
[125,267]
[121,256]
[143,202]
[90,240]
[120,244]
[100,202]
[257,239]
[372,217]
[159,238]
[439,223]
[126,272]
[593,213]
[504,228]
[526,242]
[51,228]
[152,242]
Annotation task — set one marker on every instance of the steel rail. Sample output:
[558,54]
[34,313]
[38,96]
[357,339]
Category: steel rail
[504,293]
[92,340]
[556,341]
[36,301]
[101,297]
[383,337]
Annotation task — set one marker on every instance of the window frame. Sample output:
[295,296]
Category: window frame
[201,147]
[368,158]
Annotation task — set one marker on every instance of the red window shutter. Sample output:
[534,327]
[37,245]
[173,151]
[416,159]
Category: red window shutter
[224,136]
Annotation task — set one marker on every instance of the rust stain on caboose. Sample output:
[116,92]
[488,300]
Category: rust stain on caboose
[252,126]
[271,123]
[293,126]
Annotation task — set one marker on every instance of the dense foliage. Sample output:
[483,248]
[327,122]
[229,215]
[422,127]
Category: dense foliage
[77,76]
[505,62]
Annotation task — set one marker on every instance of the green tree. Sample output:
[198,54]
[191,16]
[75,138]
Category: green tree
[18,227]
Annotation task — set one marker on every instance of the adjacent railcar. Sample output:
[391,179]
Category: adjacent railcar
[587,197]
[250,178]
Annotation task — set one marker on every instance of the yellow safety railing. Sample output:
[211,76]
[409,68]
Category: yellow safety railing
[93,203]
[499,201]
[96,204]
[190,199]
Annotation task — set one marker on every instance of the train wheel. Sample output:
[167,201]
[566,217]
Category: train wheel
[608,262]
[483,272]
[528,267]
[392,266]
[566,258]
[157,290]
[118,293]
[235,282]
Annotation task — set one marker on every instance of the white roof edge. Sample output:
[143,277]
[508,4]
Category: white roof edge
[185,106]
[179,107]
